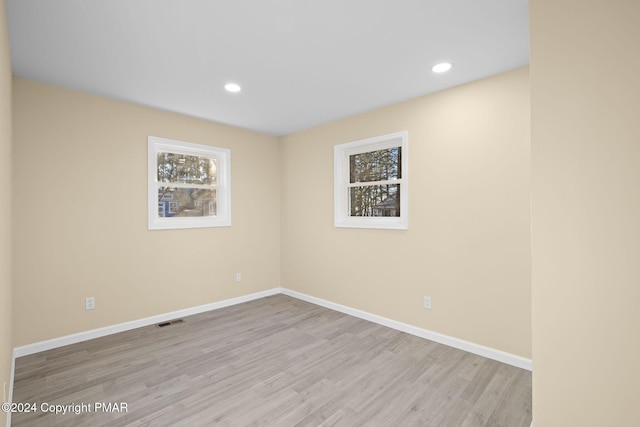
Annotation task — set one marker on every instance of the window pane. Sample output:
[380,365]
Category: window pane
[375,200]
[174,167]
[181,202]
[378,165]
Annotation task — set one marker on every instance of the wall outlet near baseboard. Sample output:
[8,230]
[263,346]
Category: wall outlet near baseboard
[89,303]
[238,277]
[427,303]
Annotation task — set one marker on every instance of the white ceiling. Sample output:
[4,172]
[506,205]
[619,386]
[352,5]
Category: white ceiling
[300,62]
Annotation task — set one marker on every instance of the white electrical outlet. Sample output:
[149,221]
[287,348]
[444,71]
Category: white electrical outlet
[238,277]
[89,303]
[427,303]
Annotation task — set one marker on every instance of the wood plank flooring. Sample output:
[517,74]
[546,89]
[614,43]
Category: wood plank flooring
[276,361]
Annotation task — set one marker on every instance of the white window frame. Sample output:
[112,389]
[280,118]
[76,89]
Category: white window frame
[223,184]
[341,152]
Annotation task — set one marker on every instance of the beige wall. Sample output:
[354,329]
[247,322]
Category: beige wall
[5,207]
[80,216]
[468,243]
[586,212]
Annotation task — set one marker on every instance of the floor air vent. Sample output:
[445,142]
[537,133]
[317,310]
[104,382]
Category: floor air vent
[170,322]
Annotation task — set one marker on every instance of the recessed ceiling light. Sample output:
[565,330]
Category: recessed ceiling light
[441,67]
[232,87]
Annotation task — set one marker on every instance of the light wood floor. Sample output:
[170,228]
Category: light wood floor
[276,361]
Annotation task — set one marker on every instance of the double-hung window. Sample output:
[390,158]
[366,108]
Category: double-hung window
[370,183]
[188,185]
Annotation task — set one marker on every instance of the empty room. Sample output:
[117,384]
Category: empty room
[337,213]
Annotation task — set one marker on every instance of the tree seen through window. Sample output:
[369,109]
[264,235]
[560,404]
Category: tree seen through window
[372,190]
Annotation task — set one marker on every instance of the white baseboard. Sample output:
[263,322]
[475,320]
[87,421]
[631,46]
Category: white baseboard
[37,347]
[474,348]
[478,349]
[121,327]
[500,356]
